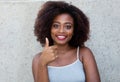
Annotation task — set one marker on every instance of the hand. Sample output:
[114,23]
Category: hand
[49,53]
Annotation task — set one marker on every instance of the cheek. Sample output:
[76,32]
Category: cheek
[70,33]
[53,32]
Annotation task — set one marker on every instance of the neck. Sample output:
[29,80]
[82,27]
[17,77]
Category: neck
[62,49]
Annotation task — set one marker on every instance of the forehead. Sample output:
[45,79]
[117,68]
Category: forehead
[63,18]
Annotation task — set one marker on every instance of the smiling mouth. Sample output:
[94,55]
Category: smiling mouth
[61,37]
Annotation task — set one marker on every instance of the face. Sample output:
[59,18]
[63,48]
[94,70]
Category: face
[62,29]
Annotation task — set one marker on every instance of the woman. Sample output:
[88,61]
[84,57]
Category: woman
[62,29]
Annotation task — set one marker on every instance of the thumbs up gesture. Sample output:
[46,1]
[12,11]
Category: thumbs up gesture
[48,54]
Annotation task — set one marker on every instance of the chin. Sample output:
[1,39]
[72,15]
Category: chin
[61,43]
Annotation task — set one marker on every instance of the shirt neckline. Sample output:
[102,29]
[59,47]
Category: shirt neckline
[68,65]
[65,65]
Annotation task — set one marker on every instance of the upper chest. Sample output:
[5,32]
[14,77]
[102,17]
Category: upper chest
[64,59]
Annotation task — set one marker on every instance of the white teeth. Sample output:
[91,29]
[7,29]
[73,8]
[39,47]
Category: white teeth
[61,37]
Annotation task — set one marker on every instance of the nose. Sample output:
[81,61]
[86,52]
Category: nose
[61,29]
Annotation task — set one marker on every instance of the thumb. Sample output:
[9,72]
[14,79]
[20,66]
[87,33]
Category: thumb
[46,42]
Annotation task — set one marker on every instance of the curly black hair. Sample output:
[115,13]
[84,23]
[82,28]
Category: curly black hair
[49,11]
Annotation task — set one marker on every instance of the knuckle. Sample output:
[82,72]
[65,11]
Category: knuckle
[54,58]
[52,54]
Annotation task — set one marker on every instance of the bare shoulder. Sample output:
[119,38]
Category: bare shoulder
[86,53]
[35,62]
[36,58]
[90,66]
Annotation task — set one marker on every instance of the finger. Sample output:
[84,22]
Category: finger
[54,57]
[46,42]
[54,47]
[56,52]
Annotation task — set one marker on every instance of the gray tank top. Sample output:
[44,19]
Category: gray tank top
[69,73]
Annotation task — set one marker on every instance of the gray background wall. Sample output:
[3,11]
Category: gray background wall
[18,44]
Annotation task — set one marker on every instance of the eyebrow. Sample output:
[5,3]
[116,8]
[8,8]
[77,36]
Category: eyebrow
[64,23]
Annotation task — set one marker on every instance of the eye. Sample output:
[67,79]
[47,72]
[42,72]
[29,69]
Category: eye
[68,26]
[55,25]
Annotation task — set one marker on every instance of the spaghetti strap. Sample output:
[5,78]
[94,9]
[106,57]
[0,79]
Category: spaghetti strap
[78,52]
[66,71]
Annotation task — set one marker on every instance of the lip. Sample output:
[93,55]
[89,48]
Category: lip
[61,37]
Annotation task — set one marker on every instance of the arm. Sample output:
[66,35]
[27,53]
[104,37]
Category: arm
[40,72]
[90,66]
[40,62]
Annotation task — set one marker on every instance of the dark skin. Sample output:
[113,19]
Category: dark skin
[86,57]
[61,54]
[89,63]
